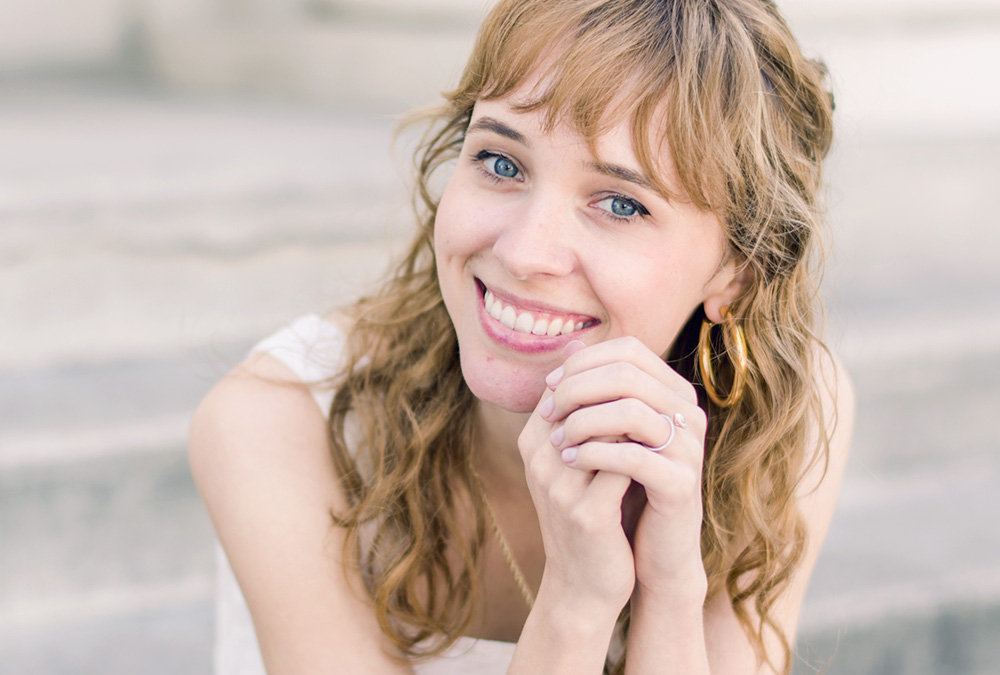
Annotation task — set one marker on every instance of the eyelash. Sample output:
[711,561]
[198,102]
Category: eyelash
[483,155]
[640,210]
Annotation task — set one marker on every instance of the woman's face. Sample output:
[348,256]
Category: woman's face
[539,243]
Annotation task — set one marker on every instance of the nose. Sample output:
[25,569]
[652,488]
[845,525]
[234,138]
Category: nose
[538,240]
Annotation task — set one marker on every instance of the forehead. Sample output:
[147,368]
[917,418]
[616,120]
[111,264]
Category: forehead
[508,117]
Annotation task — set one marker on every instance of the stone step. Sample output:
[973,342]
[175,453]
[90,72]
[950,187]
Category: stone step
[112,572]
[224,223]
[76,529]
[236,217]
[113,550]
[112,543]
[61,310]
[109,166]
[176,638]
[390,67]
[46,34]
[958,639]
[383,68]
[148,239]
[113,463]
[911,399]
[105,409]
[107,566]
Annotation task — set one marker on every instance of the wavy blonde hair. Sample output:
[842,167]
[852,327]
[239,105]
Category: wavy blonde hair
[749,123]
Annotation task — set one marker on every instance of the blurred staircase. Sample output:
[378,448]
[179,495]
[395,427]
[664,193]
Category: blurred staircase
[146,241]
[151,229]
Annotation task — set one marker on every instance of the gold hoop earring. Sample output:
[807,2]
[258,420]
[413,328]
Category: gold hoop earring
[737,342]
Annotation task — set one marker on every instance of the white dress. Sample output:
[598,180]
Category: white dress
[310,347]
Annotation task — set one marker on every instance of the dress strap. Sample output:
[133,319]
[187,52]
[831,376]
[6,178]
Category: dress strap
[312,348]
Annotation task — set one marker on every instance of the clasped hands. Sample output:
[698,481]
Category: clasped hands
[614,514]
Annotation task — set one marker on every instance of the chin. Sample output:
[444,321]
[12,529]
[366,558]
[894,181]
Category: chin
[513,388]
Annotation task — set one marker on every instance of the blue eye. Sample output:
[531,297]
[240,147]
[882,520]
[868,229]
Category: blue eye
[502,166]
[497,166]
[622,207]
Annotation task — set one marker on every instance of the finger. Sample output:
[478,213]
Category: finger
[628,349]
[543,468]
[664,479]
[606,492]
[566,489]
[626,419]
[621,380]
[601,502]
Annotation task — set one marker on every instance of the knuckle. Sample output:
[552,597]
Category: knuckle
[688,392]
[694,459]
[698,419]
[524,448]
[565,394]
[575,428]
[537,469]
[572,422]
[632,458]
[563,498]
[624,372]
[685,484]
[581,519]
[633,412]
[634,345]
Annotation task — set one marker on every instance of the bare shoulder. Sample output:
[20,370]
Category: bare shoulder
[837,408]
[816,500]
[260,458]
[258,419]
[820,485]
[261,422]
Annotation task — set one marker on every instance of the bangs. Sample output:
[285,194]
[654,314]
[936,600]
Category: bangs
[719,84]
[595,64]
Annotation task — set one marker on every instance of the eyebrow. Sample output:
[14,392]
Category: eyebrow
[494,125]
[497,127]
[624,174]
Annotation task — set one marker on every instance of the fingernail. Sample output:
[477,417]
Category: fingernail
[558,436]
[569,455]
[573,347]
[555,377]
[547,407]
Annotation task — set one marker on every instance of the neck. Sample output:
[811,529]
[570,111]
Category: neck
[496,457]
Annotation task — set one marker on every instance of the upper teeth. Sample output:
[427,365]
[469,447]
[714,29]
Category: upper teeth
[526,322]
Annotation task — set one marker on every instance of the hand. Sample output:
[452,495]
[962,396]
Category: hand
[608,406]
[588,559]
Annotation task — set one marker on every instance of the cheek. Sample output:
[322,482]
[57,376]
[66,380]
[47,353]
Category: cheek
[652,296]
[454,225]
[443,225]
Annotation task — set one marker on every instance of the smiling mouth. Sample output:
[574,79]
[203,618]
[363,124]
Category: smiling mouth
[530,322]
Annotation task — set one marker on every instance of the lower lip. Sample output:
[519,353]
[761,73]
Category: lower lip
[527,343]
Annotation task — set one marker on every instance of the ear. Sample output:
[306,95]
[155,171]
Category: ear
[725,287]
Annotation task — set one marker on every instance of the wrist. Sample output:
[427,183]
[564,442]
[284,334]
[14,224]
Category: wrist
[562,635]
[668,628]
[686,608]
[584,614]
[687,589]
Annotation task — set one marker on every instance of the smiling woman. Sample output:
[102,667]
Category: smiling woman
[531,220]
[602,346]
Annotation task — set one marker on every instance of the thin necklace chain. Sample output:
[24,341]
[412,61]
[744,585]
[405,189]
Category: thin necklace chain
[508,554]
